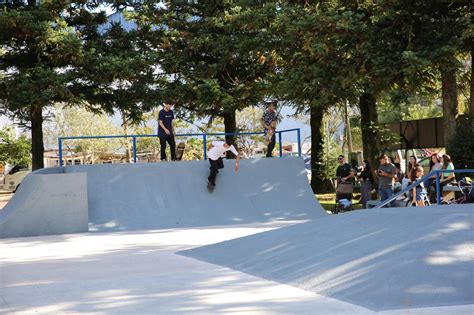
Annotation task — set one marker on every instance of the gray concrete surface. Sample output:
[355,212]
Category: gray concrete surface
[380,259]
[174,194]
[139,273]
[45,205]
[123,197]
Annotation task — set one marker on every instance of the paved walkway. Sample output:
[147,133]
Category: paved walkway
[139,273]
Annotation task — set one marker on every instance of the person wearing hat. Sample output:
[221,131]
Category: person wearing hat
[269,121]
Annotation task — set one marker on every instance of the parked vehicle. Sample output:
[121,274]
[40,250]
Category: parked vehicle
[14,177]
[423,156]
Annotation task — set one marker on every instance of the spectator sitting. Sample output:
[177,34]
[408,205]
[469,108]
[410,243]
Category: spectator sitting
[412,163]
[447,177]
[435,165]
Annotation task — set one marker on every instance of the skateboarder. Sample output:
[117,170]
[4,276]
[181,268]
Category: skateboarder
[215,159]
[269,121]
[166,131]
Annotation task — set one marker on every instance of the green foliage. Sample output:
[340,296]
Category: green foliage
[14,151]
[117,74]
[207,56]
[330,153]
[461,145]
[41,49]
[194,149]
[71,121]
[394,106]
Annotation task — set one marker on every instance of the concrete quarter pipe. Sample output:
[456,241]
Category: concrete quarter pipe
[125,197]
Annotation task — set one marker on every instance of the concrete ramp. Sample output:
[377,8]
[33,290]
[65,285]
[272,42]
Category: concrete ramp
[124,197]
[174,194]
[45,205]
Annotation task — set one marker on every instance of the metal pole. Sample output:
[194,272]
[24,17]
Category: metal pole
[60,149]
[204,138]
[438,187]
[348,127]
[134,149]
[279,141]
[298,133]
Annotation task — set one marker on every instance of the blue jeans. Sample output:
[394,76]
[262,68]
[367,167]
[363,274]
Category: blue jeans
[386,193]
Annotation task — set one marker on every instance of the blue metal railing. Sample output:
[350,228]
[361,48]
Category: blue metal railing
[424,179]
[203,135]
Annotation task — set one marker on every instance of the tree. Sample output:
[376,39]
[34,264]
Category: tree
[461,146]
[206,56]
[116,75]
[72,121]
[40,51]
[434,39]
[14,151]
[314,70]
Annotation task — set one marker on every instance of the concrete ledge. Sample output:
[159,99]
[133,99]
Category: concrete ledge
[46,205]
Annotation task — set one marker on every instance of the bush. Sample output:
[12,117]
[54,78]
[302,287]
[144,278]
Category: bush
[14,151]
[461,144]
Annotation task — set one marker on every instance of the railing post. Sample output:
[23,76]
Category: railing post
[438,188]
[60,149]
[279,141]
[204,144]
[298,133]
[134,149]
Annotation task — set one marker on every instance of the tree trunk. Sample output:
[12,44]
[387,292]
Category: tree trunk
[37,147]
[348,127]
[319,184]
[450,102]
[369,126]
[230,126]
[128,151]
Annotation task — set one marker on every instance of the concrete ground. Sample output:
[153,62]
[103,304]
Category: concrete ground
[140,273]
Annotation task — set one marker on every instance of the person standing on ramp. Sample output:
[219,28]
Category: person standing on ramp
[166,131]
[215,159]
[269,121]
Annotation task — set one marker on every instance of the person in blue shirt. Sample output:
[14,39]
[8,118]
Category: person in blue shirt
[166,131]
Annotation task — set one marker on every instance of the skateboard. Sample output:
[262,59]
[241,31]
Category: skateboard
[180,151]
[210,187]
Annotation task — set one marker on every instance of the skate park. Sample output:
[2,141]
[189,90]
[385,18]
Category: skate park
[159,242]
[236,157]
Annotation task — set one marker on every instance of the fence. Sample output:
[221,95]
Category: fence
[424,179]
[203,135]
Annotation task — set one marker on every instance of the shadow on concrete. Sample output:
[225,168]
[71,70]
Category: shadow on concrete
[379,259]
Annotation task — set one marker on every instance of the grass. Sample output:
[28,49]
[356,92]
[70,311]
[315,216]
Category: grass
[328,201]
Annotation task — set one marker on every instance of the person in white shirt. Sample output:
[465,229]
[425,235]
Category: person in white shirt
[215,159]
